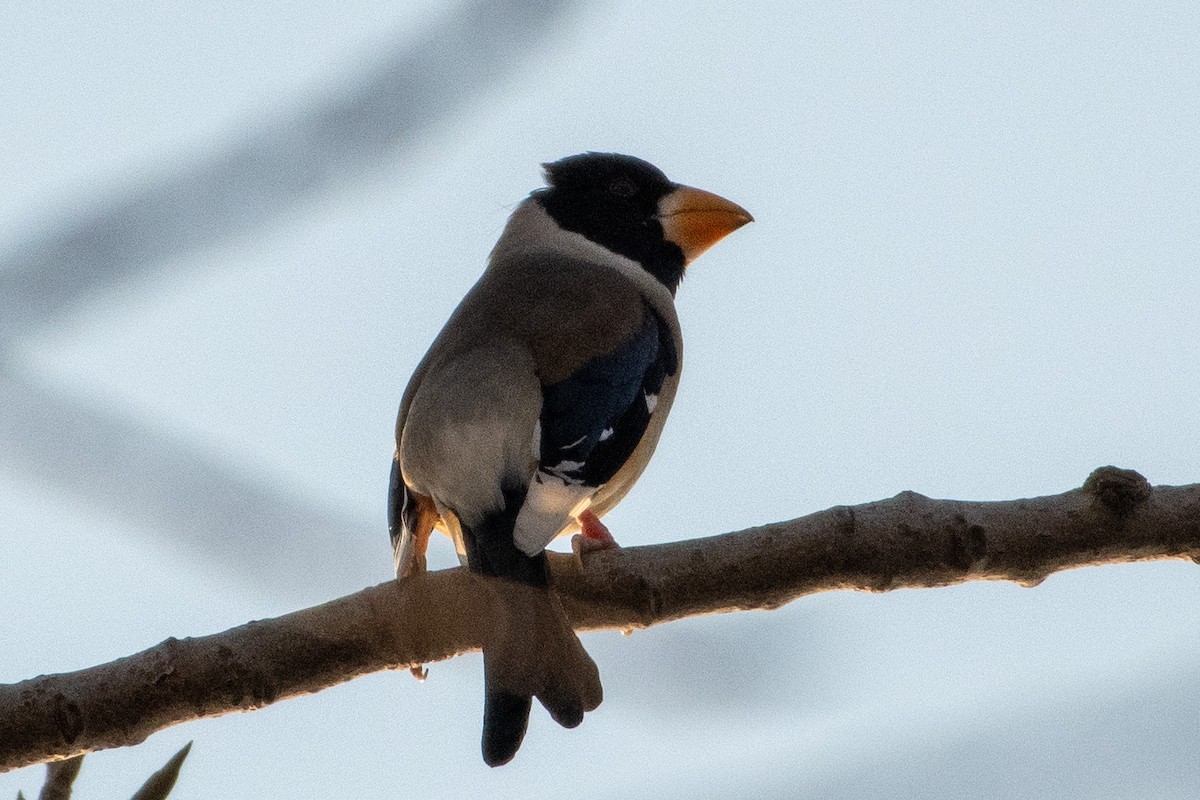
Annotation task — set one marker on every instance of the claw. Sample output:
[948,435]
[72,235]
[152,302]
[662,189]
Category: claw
[594,536]
[596,531]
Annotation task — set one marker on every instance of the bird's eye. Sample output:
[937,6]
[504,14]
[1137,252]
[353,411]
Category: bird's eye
[622,187]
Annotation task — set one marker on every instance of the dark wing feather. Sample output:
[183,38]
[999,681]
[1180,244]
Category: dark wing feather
[411,517]
[593,420]
[397,499]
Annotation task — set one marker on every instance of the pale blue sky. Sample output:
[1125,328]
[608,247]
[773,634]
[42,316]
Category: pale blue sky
[972,275]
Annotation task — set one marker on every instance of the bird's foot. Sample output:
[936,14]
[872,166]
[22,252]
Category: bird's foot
[415,565]
[594,536]
[596,533]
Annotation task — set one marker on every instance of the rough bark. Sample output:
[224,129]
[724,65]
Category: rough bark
[906,541]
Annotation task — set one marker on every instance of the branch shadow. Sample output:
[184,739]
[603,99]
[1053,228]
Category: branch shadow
[246,526]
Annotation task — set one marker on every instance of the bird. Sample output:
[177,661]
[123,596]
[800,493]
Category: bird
[539,404]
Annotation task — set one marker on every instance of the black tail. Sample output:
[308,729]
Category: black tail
[491,551]
[505,718]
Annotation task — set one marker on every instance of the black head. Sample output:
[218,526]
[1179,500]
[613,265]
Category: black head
[613,200]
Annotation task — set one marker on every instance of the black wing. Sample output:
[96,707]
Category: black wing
[592,421]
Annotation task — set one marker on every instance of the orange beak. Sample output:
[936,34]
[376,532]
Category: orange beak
[696,220]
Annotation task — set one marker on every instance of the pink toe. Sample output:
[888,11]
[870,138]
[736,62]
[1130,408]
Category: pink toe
[596,531]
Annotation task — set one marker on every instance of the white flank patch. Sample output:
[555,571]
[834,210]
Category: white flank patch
[550,505]
[651,402]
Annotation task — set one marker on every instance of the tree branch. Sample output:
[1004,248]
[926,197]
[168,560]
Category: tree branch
[60,777]
[907,541]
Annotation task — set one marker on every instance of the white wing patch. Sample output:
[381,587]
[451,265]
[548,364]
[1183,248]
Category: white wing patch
[551,504]
[560,469]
